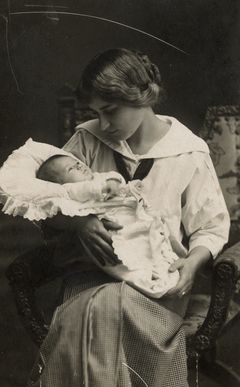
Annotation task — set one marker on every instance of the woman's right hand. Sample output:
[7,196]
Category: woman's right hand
[96,239]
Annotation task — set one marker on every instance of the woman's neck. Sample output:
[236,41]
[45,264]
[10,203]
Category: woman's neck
[148,134]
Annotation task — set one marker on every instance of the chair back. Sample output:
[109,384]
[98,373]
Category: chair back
[222,133]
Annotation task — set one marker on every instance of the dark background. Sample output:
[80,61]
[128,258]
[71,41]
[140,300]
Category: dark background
[49,50]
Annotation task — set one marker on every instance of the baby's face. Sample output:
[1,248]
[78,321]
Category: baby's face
[69,170]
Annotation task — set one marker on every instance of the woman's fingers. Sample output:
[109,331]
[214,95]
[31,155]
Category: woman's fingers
[181,289]
[185,281]
[109,259]
[106,252]
[97,240]
[99,256]
[110,225]
[177,265]
[101,251]
[100,247]
[93,256]
[102,241]
[92,231]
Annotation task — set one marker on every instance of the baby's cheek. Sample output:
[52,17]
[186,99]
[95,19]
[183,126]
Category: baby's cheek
[76,177]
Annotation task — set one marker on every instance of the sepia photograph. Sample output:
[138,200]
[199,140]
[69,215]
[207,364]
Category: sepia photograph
[120,193]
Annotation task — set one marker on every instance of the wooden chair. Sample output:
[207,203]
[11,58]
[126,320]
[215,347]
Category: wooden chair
[34,280]
[35,269]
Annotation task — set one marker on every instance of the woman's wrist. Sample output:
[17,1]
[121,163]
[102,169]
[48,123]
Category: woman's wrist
[198,257]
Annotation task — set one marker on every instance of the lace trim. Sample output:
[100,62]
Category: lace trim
[49,207]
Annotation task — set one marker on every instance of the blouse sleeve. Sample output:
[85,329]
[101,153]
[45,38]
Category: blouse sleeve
[83,145]
[204,215]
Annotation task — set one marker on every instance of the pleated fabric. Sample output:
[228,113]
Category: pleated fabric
[107,334]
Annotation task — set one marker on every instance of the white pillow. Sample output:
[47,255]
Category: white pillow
[28,158]
[20,191]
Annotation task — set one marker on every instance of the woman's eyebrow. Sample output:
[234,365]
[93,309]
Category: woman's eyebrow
[101,107]
[106,106]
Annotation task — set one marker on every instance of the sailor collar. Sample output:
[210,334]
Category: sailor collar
[178,140]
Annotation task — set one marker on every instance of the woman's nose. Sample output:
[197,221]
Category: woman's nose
[104,124]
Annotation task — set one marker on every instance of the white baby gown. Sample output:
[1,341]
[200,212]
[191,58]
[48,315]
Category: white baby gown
[145,250]
[142,245]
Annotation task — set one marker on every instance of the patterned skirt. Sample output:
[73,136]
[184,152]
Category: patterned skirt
[107,334]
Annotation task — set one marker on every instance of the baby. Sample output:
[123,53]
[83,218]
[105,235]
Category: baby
[142,245]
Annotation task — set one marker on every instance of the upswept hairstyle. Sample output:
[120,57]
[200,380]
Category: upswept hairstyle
[122,75]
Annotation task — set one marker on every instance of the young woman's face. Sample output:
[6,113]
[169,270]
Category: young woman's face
[117,120]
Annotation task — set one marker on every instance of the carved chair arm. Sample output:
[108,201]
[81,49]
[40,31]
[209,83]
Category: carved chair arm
[25,274]
[232,254]
[35,268]
[226,272]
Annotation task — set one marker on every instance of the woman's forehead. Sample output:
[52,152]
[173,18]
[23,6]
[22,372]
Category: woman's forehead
[97,103]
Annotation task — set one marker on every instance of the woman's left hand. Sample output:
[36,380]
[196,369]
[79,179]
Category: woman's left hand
[188,268]
[187,273]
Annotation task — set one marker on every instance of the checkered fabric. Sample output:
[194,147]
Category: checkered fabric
[107,334]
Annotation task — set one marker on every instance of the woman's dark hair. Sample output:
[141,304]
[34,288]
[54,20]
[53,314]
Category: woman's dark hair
[121,75]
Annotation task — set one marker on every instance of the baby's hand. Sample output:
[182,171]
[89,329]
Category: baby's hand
[112,188]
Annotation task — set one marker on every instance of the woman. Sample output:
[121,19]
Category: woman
[106,333]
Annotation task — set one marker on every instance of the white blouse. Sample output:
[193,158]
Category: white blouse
[182,186]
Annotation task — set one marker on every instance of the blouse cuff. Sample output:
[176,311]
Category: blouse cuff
[213,245]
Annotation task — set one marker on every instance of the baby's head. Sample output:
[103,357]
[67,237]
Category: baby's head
[63,169]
